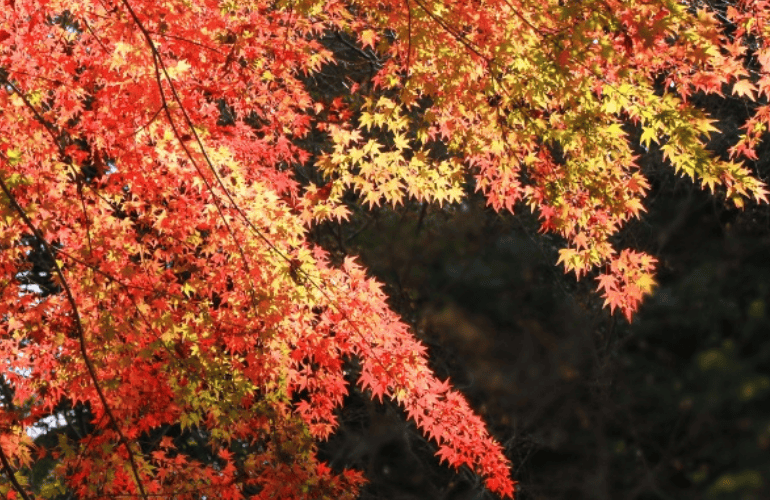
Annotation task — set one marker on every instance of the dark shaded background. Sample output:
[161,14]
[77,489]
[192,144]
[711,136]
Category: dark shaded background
[674,405]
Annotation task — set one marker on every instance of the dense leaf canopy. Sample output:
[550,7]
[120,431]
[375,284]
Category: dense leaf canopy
[157,271]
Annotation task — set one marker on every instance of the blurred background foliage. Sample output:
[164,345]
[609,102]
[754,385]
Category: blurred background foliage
[675,405]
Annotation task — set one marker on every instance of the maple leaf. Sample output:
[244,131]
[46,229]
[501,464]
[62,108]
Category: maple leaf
[744,88]
[607,283]
[368,38]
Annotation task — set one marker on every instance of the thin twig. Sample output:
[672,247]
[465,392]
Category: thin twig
[78,326]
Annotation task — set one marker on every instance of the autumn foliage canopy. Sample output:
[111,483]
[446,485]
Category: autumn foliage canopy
[147,154]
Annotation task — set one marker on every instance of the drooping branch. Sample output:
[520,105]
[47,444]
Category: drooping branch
[78,326]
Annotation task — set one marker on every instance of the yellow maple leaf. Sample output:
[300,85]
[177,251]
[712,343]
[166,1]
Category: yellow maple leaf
[368,38]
